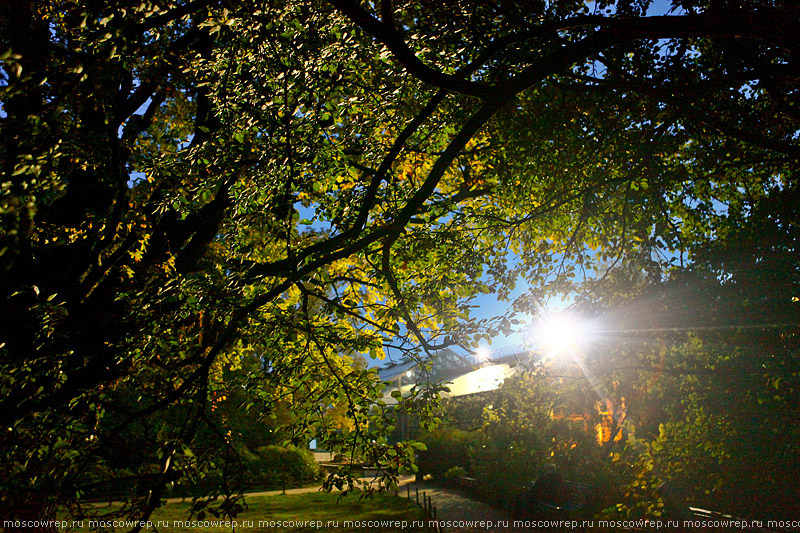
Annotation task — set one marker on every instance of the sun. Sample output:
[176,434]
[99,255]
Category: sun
[483,354]
[556,334]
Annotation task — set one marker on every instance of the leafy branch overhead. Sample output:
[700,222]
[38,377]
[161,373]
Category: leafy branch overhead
[204,197]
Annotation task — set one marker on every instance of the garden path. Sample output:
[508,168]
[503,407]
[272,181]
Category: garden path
[457,512]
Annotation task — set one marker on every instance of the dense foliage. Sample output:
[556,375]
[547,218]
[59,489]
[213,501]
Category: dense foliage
[504,438]
[693,382]
[203,189]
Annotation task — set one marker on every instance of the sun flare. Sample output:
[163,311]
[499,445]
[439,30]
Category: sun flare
[557,334]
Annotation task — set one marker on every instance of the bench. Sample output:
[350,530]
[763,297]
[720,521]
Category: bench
[465,483]
[559,500]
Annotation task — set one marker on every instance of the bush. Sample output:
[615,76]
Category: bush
[447,448]
[273,466]
[454,472]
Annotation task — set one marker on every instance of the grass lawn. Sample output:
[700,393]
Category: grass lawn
[313,511]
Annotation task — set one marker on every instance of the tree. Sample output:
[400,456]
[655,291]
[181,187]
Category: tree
[691,380]
[189,185]
[711,366]
[504,438]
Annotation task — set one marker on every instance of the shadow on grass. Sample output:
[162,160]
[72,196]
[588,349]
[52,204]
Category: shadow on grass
[316,511]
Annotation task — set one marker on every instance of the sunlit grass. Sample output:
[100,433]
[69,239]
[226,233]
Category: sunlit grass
[315,511]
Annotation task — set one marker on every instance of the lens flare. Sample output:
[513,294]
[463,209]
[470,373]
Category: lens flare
[483,353]
[557,334]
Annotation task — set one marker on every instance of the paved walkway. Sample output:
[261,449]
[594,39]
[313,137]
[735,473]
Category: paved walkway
[404,480]
[457,512]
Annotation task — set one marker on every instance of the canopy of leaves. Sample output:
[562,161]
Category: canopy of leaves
[196,188]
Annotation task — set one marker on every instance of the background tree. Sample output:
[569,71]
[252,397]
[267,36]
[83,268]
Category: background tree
[711,358]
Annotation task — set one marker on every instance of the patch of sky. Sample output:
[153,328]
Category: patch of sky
[182,144]
[134,178]
[490,305]
[140,111]
[655,8]
[751,89]
[664,7]
[308,217]
[3,83]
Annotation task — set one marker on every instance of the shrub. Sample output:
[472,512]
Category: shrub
[447,448]
[455,472]
[274,465]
